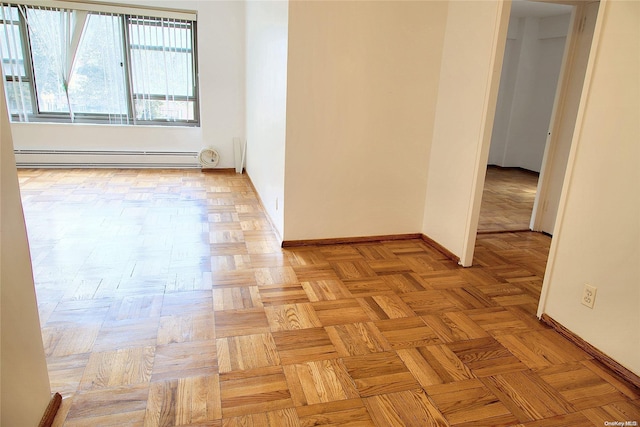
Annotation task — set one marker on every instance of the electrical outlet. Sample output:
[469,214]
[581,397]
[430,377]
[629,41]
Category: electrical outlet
[588,295]
[276,203]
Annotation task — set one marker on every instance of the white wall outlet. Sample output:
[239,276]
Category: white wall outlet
[588,295]
[276,203]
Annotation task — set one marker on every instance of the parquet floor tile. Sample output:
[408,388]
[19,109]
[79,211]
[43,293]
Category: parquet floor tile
[405,283]
[405,408]
[354,339]
[255,391]
[536,351]
[65,341]
[580,386]
[498,321]
[275,276]
[407,332]
[486,357]
[323,381]
[184,401]
[292,316]
[325,290]
[117,368]
[180,360]
[282,294]
[527,396]
[472,404]
[246,352]
[350,413]
[135,307]
[339,312]
[313,272]
[304,345]
[127,333]
[435,365]
[165,300]
[125,404]
[241,322]
[629,390]
[351,270]
[575,419]
[66,372]
[234,278]
[623,411]
[366,287]
[454,326]
[429,302]
[177,303]
[278,418]
[379,373]
[188,327]
[381,307]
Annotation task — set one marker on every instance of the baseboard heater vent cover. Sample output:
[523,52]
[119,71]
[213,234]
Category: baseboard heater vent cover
[106,159]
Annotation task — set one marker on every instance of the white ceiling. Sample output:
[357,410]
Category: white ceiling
[522,8]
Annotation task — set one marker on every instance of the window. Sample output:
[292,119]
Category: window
[71,65]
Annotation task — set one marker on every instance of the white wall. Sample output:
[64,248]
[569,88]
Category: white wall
[266,105]
[362,85]
[597,234]
[221,69]
[472,55]
[24,389]
[525,102]
[505,94]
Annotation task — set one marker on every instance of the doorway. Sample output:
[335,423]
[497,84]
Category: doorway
[534,50]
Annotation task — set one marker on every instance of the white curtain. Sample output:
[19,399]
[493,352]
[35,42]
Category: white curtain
[162,68]
[14,63]
[61,32]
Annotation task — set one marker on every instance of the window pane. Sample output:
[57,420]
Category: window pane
[11,50]
[165,73]
[162,69]
[19,97]
[9,13]
[49,53]
[97,84]
[160,33]
[152,109]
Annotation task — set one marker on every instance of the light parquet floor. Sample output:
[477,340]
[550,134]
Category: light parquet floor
[507,199]
[165,300]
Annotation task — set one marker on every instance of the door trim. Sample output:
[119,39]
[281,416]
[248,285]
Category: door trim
[559,105]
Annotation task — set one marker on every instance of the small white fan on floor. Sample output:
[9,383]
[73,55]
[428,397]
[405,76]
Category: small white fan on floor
[208,158]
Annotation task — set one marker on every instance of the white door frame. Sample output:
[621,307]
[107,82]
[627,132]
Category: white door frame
[488,114]
[549,158]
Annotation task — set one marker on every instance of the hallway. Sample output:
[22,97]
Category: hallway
[507,199]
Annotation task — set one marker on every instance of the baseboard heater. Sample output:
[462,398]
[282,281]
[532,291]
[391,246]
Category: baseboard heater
[106,159]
